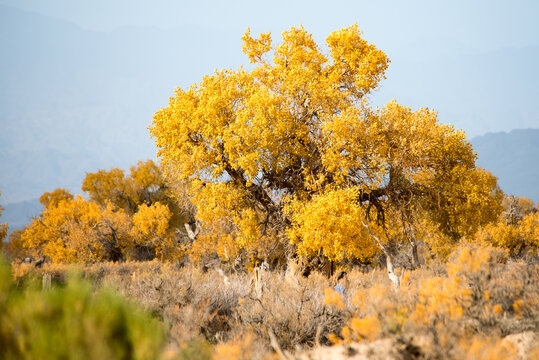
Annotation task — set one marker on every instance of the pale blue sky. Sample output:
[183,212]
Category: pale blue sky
[410,32]
[483,25]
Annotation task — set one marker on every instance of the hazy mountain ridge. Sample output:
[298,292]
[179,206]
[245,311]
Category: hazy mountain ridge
[514,158]
[18,215]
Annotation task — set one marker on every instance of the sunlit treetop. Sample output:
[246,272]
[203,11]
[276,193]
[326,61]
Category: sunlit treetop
[145,184]
[264,127]
[53,198]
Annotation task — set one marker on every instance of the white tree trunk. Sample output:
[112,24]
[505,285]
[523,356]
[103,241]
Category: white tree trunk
[389,259]
[192,234]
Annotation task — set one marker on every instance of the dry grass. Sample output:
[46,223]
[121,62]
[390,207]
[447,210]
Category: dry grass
[450,310]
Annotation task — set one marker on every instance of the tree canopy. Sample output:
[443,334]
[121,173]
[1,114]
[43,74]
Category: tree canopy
[292,150]
[127,217]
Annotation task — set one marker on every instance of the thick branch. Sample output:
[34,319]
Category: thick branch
[389,260]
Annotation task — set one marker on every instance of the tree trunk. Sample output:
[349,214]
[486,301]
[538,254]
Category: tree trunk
[415,256]
[389,258]
[390,270]
[192,234]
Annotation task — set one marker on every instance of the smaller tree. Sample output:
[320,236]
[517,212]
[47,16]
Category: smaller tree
[145,184]
[68,232]
[134,216]
[516,229]
[3,227]
[110,186]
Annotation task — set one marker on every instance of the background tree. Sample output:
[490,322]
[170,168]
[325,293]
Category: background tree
[52,199]
[3,227]
[296,131]
[145,184]
[78,230]
[68,232]
[128,217]
[516,229]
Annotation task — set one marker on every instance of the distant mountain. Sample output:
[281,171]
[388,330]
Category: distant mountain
[514,158]
[18,215]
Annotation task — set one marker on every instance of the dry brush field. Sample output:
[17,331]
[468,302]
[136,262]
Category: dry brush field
[479,304]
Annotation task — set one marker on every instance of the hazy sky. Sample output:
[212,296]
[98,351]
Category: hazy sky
[482,25]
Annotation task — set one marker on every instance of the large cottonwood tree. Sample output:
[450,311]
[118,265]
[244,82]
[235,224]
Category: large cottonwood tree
[290,149]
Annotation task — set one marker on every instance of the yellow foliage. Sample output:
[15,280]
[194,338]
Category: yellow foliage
[256,48]
[68,232]
[110,186]
[333,298]
[240,348]
[330,222]
[367,327]
[145,184]
[19,270]
[478,295]
[3,227]
[115,227]
[512,236]
[485,348]
[76,230]
[50,199]
[133,217]
[151,228]
[151,221]
[529,229]
[467,199]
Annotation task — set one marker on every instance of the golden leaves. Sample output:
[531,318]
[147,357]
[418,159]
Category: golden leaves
[333,298]
[359,66]
[330,222]
[256,48]
[67,232]
[516,230]
[130,217]
[52,199]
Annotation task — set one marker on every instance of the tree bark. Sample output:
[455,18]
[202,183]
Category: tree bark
[415,256]
[192,234]
[389,258]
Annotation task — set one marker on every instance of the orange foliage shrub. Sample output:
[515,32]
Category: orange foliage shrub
[479,294]
[516,230]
